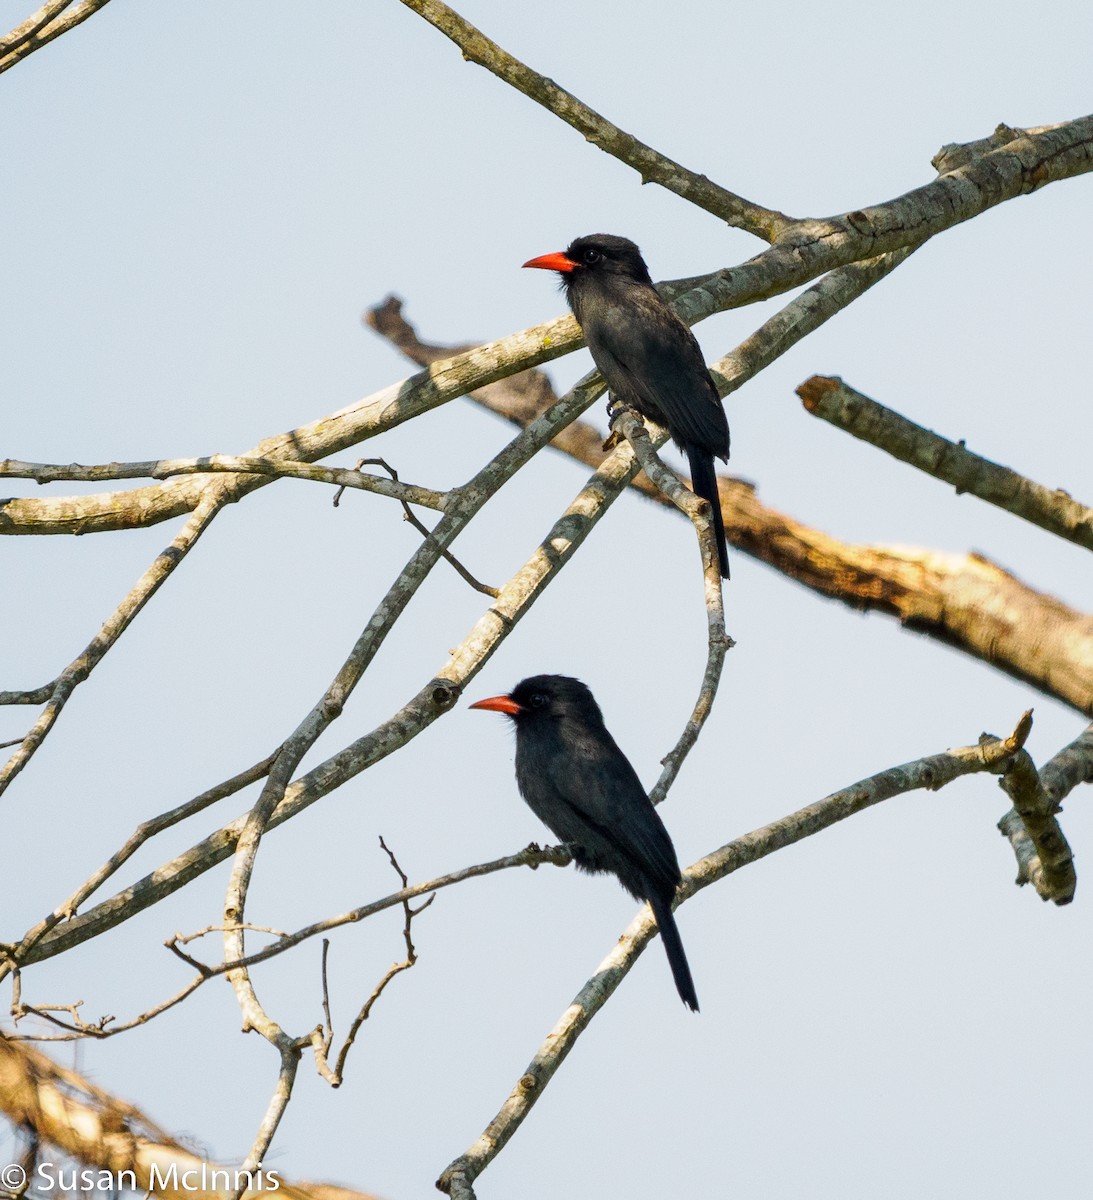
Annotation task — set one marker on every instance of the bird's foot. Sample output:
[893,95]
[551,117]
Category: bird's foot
[616,408]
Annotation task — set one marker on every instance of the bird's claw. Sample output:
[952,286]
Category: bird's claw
[615,407]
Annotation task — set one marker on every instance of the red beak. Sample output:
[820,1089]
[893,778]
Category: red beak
[501,704]
[553,262]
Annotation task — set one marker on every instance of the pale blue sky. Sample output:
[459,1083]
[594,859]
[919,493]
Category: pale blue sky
[199,201]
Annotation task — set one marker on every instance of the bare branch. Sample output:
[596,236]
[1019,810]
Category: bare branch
[76,1024]
[958,154]
[1003,168]
[33,23]
[464,504]
[409,516]
[809,248]
[435,698]
[842,406]
[254,1014]
[650,165]
[932,773]
[68,1111]
[143,833]
[1043,856]
[43,26]
[120,620]
[165,468]
[106,1027]
[1022,165]
[806,250]
[532,856]
[628,424]
[337,1075]
[278,1102]
[1071,766]
[800,317]
[330,434]
[964,601]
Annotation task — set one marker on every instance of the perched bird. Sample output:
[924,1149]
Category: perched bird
[647,356]
[578,782]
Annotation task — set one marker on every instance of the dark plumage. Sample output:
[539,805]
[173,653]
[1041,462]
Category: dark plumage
[647,356]
[582,787]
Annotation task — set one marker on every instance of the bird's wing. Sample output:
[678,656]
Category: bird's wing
[610,800]
[651,357]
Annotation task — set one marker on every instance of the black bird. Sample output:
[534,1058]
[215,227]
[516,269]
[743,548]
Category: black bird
[647,356]
[578,782]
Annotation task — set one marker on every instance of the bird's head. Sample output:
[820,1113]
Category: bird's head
[543,698]
[595,256]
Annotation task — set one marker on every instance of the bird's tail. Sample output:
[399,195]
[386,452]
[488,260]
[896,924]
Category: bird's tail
[673,947]
[704,483]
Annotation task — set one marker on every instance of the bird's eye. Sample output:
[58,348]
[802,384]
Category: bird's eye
[538,700]
[591,256]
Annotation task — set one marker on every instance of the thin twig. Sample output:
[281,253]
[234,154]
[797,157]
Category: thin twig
[213,464]
[142,834]
[337,1075]
[628,424]
[408,515]
[108,1029]
[323,1037]
[184,939]
[532,856]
